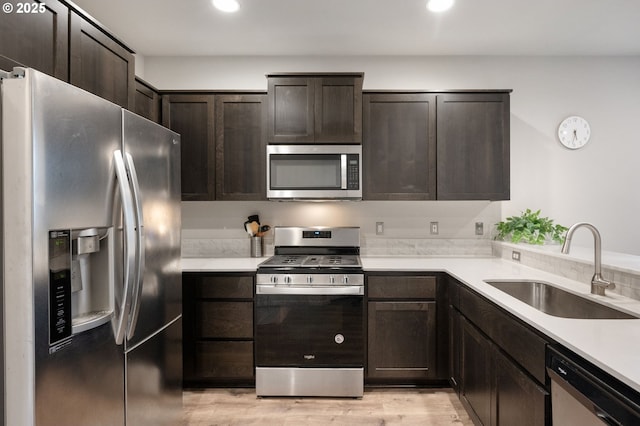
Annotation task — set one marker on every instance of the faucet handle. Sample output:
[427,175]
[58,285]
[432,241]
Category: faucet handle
[599,284]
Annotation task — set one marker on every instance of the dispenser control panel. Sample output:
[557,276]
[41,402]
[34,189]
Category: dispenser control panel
[59,286]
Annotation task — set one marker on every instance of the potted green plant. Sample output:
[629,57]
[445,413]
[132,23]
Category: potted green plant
[530,228]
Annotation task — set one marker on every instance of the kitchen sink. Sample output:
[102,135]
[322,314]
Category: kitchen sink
[557,302]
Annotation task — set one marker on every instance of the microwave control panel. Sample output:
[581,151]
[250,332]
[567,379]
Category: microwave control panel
[353,171]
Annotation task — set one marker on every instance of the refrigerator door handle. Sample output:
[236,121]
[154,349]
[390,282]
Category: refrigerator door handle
[128,213]
[140,247]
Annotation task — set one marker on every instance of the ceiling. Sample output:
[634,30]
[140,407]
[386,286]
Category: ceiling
[373,27]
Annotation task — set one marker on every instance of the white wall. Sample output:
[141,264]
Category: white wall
[596,183]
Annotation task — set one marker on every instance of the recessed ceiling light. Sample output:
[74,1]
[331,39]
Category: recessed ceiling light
[226,5]
[439,5]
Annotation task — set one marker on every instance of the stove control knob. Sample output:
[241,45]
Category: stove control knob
[345,279]
[274,279]
[309,279]
[287,279]
[332,279]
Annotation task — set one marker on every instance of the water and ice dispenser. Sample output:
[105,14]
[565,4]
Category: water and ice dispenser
[80,281]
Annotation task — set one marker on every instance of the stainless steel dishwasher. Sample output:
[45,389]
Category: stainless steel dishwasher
[584,395]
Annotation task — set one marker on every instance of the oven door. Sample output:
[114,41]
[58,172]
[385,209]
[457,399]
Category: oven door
[309,330]
[314,172]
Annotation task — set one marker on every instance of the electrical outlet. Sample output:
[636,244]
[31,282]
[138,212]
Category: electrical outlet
[433,227]
[515,255]
[479,228]
[379,228]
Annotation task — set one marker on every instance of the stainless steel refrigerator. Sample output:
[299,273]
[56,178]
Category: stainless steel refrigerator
[92,299]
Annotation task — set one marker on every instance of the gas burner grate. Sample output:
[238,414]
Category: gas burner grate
[290,260]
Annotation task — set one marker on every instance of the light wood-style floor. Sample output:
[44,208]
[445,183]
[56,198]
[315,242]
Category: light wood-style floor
[433,407]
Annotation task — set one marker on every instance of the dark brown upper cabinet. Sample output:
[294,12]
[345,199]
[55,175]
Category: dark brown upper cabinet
[434,145]
[99,64]
[315,108]
[37,40]
[192,115]
[147,101]
[400,146]
[240,146]
[473,146]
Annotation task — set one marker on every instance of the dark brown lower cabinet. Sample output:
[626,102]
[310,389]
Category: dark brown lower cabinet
[218,329]
[515,394]
[404,345]
[476,373]
[496,363]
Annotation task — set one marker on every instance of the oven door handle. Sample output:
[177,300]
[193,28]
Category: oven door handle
[349,290]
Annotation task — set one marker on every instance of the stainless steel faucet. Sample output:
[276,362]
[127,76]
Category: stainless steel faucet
[598,284]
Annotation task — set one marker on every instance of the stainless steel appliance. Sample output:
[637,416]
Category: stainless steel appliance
[310,172]
[583,395]
[309,323]
[91,305]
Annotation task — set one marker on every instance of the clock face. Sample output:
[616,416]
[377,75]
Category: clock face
[574,132]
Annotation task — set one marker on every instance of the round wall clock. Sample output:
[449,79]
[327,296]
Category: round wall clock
[574,132]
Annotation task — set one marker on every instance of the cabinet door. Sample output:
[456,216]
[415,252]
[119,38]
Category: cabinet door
[517,394]
[473,146]
[401,340]
[99,64]
[147,101]
[476,368]
[291,109]
[241,147]
[399,147]
[338,110]
[191,115]
[36,40]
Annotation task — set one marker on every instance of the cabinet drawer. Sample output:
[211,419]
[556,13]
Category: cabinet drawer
[225,287]
[224,360]
[522,344]
[401,287]
[224,319]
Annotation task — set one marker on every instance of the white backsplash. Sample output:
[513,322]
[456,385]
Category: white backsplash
[369,246]
[622,269]
[215,229]
[433,247]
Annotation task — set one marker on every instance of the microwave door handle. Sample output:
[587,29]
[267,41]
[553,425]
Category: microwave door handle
[140,246]
[343,170]
[123,311]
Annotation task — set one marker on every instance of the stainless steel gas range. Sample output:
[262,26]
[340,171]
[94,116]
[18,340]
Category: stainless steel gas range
[309,322]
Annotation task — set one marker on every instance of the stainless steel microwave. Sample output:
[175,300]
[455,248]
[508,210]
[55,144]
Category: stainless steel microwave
[314,172]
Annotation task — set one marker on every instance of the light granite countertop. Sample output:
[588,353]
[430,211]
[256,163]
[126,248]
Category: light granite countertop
[613,345]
